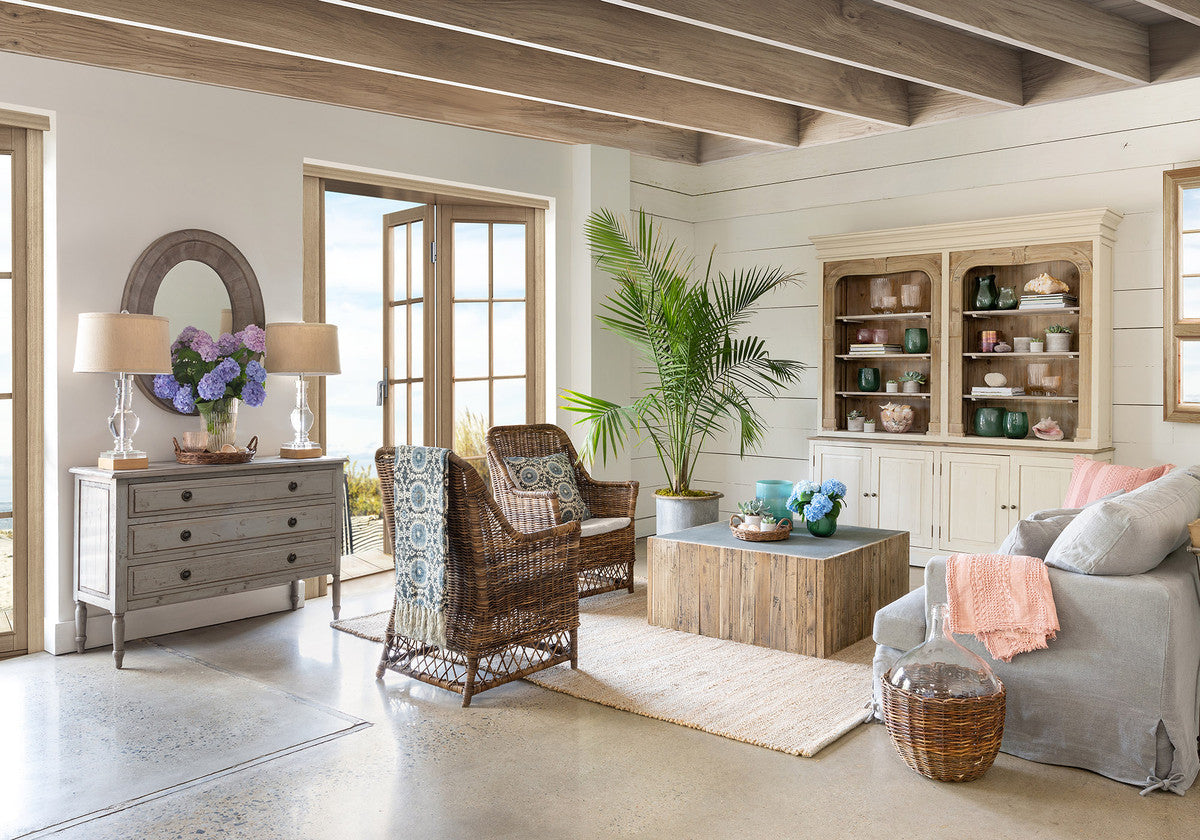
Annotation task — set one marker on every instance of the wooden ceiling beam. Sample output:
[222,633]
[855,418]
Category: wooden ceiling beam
[864,35]
[1069,30]
[600,31]
[359,37]
[64,37]
[1188,10]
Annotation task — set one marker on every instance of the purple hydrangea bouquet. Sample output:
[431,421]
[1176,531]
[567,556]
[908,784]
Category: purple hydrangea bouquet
[820,504]
[210,375]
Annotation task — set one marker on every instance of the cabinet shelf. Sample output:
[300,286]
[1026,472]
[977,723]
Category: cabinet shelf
[1006,313]
[891,316]
[862,358]
[1074,354]
[1024,398]
[891,395]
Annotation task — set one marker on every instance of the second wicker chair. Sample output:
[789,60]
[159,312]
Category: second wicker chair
[606,544]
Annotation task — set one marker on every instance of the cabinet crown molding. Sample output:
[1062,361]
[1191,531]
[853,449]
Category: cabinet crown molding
[1095,223]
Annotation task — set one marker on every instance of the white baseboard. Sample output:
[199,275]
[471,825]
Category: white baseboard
[158,621]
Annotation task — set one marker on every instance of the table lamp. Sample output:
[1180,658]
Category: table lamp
[302,350]
[122,344]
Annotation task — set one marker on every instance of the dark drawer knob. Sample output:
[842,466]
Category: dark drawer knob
[292,557]
[186,574]
[291,522]
[293,486]
[185,535]
[186,495]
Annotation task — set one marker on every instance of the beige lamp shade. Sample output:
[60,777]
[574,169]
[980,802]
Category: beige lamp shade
[302,349]
[111,342]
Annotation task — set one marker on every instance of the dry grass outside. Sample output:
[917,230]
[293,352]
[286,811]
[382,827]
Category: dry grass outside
[365,499]
[470,441]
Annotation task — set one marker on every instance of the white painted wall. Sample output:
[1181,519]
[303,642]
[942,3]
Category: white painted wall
[132,157]
[1105,151]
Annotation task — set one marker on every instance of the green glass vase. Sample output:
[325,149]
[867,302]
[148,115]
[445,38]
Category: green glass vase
[916,340]
[989,422]
[868,379]
[826,526]
[1016,424]
[985,292]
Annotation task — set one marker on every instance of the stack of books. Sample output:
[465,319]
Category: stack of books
[986,391]
[1048,301]
[874,349]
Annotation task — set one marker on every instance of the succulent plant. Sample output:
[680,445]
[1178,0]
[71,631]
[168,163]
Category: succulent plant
[913,376]
[753,507]
[1058,328]
[768,519]
[855,413]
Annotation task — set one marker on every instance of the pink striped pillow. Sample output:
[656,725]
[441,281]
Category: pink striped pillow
[1091,480]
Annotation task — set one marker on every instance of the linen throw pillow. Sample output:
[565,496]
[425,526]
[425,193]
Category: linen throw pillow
[1092,479]
[1133,533]
[1035,534]
[553,473]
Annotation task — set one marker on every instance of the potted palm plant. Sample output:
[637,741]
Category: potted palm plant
[700,368]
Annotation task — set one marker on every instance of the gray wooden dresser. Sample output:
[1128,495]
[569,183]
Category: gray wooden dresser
[175,533]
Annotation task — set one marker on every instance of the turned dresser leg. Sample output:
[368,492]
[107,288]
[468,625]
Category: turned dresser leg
[118,638]
[337,595]
[296,584]
[80,626]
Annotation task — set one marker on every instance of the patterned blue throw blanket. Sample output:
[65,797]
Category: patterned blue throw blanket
[422,476]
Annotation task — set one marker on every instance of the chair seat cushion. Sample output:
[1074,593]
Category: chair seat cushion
[596,526]
[554,473]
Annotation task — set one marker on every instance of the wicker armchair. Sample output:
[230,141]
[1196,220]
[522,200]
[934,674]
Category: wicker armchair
[605,559]
[512,604]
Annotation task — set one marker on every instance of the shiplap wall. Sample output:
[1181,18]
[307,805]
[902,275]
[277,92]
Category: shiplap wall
[1104,151]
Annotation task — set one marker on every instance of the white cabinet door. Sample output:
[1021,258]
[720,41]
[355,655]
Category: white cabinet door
[903,493]
[1038,484]
[850,465]
[975,507]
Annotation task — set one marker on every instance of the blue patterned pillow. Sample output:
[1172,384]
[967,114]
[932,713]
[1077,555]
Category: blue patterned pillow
[554,473]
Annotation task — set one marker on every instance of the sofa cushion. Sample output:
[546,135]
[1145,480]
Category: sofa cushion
[1033,535]
[901,624]
[596,526]
[1131,534]
[1090,480]
[553,473]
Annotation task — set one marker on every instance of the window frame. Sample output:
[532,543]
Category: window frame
[1176,328]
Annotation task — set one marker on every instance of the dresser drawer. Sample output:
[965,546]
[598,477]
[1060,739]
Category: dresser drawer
[294,561]
[201,531]
[177,496]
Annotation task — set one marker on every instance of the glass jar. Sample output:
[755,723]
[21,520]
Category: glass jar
[218,418]
[883,296]
[941,667]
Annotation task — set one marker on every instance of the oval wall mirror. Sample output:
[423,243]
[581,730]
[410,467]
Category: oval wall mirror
[194,278]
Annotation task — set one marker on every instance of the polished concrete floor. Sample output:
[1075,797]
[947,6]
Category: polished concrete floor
[527,762]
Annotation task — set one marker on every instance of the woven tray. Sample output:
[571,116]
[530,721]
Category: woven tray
[783,530]
[948,740]
[217,457]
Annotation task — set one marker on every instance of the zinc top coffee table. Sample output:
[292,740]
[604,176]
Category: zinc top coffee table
[805,594]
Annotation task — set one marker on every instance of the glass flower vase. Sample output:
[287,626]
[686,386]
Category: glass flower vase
[218,418]
[826,526]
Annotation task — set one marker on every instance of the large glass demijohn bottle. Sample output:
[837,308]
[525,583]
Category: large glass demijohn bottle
[941,667]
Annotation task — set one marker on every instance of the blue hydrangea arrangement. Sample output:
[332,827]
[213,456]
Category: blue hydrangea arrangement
[205,370]
[815,501]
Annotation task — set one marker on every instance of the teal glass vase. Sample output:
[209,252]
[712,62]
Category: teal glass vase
[985,292]
[774,492]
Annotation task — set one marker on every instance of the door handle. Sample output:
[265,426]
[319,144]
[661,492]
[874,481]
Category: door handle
[380,386]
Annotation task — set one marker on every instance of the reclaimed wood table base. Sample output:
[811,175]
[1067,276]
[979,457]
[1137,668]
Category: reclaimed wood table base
[804,595]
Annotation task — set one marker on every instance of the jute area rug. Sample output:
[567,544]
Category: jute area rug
[782,701]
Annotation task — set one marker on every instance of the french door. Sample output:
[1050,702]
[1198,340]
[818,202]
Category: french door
[463,338]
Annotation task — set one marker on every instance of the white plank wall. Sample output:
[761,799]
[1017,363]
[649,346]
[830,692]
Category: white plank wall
[1105,151]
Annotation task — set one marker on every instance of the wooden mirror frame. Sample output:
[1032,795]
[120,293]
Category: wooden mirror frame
[219,254]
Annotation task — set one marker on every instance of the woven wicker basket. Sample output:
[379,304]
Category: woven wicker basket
[783,530]
[207,458]
[948,740]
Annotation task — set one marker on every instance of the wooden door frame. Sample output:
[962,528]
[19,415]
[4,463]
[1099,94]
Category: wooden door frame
[22,136]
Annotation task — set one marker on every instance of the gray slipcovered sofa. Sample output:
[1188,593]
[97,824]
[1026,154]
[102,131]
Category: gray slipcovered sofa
[1117,692]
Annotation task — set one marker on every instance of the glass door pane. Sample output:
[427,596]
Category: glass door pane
[408,263]
[8,619]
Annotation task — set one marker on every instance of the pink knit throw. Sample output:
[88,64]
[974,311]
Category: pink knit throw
[1004,600]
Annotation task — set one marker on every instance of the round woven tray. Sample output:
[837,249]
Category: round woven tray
[949,740]
[217,457]
[783,530]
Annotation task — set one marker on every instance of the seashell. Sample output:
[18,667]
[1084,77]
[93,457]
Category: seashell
[896,417]
[995,380]
[1002,347]
[229,447]
[1047,429]
[1044,284]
